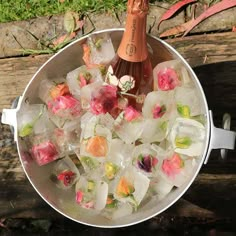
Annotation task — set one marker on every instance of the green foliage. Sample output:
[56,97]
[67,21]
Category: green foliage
[13,10]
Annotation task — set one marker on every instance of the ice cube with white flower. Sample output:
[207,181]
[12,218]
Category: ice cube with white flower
[91,193]
[131,186]
[187,137]
[82,76]
[65,173]
[101,49]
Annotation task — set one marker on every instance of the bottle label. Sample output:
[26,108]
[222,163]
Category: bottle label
[133,46]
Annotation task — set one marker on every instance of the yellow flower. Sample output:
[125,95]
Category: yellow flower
[97,146]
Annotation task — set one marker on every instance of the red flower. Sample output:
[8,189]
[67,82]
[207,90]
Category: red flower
[173,165]
[104,100]
[66,177]
[167,79]
[131,113]
[44,153]
[65,106]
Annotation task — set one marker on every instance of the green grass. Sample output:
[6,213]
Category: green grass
[14,10]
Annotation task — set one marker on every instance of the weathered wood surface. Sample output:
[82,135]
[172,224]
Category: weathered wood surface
[209,200]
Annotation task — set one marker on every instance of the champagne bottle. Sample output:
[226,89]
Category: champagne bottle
[131,68]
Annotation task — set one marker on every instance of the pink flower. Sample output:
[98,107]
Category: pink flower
[131,113]
[66,177]
[173,165]
[79,196]
[83,81]
[44,153]
[158,111]
[104,100]
[65,106]
[167,79]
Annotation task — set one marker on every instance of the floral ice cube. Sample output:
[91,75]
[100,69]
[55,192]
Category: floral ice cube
[177,168]
[65,173]
[82,77]
[66,107]
[188,102]
[98,144]
[118,211]
[128,131]
[44,149]
[131,187]
[98,50]
[28,117]
[187,137]
[68,137]
[49,90]
[160,187]
[170,74]
[158,104]
[91,194]
[146,159]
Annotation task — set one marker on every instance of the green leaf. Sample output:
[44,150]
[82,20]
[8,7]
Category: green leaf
[26,130]
[183,142]
[183,110]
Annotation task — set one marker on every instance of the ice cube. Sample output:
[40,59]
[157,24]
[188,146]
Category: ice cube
[28,117]
[131,186]
[81,77]
[101,49]
[187,137]
[44,149]
[188,98]
[146,159]
[129,132]
[177,169]
[170,74]
[91,193]
[65,173]
[158,104]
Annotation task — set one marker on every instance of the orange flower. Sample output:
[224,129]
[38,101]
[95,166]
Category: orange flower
[59,90]
[124,188]
[97,146]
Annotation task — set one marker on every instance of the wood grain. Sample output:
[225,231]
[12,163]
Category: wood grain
[212,194]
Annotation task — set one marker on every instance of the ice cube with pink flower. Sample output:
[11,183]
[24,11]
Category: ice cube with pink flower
[91,194]
[177,168]
[44,149]
[81,77]
[170,74]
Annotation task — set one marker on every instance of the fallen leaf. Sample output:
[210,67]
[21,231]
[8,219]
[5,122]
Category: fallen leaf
[218,7]
[173,9]
[69,22]
[179,29]
[64,38]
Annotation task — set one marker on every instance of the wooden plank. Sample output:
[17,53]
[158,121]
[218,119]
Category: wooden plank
[15,73]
